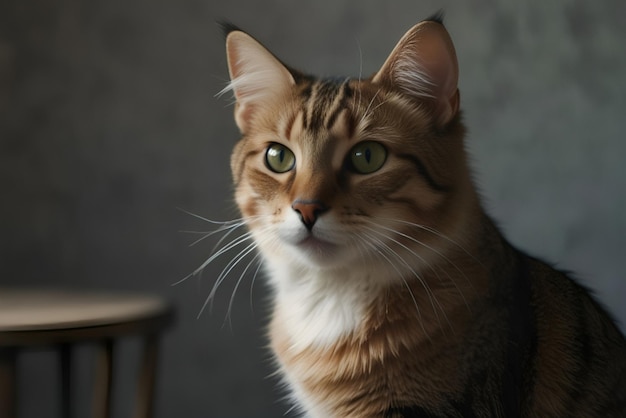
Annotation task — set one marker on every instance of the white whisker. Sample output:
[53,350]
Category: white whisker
[239,240]
[431,295]
[229,266]
[195,215]
[439,253]
[232,296]
[358,102]
[366,114]
[244,243]
[222,276]
[438,234]
[254,276]
[424,284]
[400,274]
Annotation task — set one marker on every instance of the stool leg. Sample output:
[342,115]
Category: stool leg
[146,379]
[7,382]
[103,383]
[66,372]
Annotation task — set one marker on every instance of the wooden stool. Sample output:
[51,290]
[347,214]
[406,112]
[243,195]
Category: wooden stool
[38,317]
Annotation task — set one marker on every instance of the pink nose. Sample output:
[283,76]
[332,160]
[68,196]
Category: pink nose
[309,211]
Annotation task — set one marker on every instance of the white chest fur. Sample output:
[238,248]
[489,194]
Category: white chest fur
[316,308]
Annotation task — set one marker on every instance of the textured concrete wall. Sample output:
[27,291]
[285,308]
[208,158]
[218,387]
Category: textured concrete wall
[108,123]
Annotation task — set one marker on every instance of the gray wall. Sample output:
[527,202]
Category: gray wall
[108,124]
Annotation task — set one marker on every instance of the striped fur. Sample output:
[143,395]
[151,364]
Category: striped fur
[394,294]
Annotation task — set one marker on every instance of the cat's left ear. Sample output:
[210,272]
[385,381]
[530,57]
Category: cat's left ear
[257,77]
[423,65]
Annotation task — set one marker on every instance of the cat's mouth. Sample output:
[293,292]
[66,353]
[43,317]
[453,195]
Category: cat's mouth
[319,246]
[316,246]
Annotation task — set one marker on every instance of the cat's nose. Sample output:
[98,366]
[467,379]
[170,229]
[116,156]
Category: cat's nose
[309,211]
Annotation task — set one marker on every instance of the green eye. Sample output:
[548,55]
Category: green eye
[279,158]
[367,157]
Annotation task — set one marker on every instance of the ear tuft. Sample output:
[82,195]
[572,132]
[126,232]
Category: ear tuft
[257,77]
[227,27]
[437,17]
[423,66]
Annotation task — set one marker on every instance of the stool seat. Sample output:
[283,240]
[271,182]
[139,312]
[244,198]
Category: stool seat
[61,318]
[25,315]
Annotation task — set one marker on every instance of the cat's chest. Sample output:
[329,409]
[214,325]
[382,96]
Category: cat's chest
[334,358]
[319,308]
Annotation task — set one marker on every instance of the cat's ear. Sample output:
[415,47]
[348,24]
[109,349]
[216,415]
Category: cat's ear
[423,65]
[257,77]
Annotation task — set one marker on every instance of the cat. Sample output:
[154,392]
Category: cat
[394,293]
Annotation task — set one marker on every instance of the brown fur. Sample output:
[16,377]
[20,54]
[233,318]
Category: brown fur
[482,329]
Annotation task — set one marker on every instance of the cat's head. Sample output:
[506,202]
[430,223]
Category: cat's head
[333,172]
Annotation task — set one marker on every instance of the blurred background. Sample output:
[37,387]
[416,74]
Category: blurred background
[109,123]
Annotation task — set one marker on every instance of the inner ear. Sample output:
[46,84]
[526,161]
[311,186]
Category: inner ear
[258,78]
[423,66]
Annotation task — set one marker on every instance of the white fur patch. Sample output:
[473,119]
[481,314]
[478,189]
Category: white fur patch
[318,308]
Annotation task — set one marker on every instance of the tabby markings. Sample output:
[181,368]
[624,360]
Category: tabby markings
[323,103]
[423,171]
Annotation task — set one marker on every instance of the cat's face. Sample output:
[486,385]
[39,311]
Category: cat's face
[337,173]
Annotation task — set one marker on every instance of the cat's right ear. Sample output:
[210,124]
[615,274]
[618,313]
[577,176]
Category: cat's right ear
[257,77]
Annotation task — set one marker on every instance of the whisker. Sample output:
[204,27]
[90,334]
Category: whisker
[228,233]
[431,295]
[230,266]
[415,254]
[215,255]
[425,285]
[439,253]
[358,103]
[438,234]
[224,245]
[377,106]
[237,241]
[234,261]
[232,297]
[256,273]
[195,215]
[220,279]
[209,233]
[358,45]
[443,236]
[366,114]
[400,274]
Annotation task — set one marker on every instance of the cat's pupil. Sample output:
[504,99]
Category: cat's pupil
[281,155]
[367,157]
